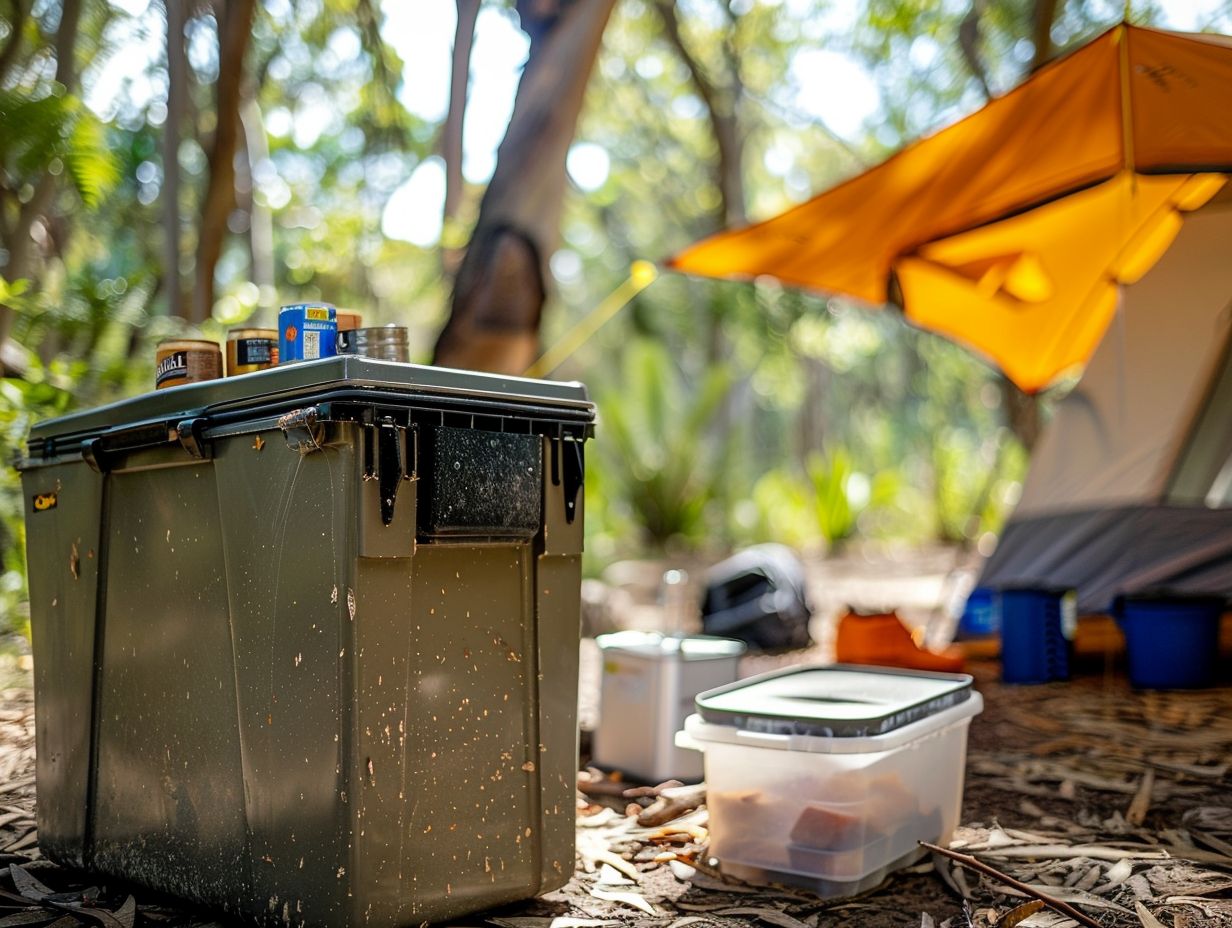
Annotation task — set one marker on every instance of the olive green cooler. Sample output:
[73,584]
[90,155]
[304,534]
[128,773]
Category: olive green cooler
[305,640]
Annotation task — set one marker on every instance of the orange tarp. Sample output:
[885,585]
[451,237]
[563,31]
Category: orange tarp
[1009,230]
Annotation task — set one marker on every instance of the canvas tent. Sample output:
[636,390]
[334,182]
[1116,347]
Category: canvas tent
[1083,218]
[1130,487]
[1010,230]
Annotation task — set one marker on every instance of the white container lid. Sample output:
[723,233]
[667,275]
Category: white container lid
[656,645]
[698,733]
[834,702]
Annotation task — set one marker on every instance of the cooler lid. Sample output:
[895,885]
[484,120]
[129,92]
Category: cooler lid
[342,379]
[686,647]
[840,700]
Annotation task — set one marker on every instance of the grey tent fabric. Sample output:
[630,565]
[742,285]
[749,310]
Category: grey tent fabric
[1129,488]
[1104,552]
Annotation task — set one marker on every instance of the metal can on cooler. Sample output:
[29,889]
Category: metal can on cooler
[385,343]
[307,331]
[251,350]
[186,360]
[348,322]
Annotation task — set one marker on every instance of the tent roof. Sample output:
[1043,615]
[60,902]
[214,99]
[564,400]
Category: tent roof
[1133,99]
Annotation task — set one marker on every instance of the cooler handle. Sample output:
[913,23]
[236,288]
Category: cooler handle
[99,452]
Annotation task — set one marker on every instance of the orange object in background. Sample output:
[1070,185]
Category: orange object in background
[882,640]
[1010,230]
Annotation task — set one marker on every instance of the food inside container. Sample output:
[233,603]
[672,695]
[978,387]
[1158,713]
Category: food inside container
[828,777]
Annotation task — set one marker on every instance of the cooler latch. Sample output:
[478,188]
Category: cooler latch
[191,433]
[302,430]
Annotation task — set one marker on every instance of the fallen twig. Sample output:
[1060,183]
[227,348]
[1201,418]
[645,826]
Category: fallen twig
[640,792]
[1068,851]
[1141,803]
[672,802]
[593,783]
[1056,904]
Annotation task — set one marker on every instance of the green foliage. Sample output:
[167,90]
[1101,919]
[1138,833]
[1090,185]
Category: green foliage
[657,457]
[975,487]
[56,133]
[779,508]
[22,403]
[841,493]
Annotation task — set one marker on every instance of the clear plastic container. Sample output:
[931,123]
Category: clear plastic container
[834,814]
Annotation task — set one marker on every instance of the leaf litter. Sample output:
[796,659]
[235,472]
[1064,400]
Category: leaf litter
[1118,802]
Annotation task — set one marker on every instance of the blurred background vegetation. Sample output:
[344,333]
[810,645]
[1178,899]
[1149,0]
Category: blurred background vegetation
[730,413]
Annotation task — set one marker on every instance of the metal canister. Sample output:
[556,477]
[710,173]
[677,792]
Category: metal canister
[251,350]
[186,360]
[307,331]
[385,343]
[348,321]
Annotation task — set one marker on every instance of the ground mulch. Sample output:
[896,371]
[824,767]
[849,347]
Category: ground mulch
[1117,802]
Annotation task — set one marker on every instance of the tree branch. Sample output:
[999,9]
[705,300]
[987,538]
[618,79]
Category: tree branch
[66,44]
[233,33]
[20,245]
[260,221]
[451,131]
[969,45]
[1056,905]
[177,104]
[8,54]
[1043,16]
[500,287]
[720,105]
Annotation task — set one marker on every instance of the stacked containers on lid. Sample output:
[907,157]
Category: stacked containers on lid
[828,777]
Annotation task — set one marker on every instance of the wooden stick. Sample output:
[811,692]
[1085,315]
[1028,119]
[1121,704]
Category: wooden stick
[672,803]
[968,861]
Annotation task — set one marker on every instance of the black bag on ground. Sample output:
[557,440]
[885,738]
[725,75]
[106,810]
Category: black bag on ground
[758,596]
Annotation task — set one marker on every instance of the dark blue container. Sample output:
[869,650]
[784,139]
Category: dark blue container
[1171,640]
[1037,631]
[980,616]
[307,331]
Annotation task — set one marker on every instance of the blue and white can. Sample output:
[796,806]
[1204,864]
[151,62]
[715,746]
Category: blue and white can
[307,331]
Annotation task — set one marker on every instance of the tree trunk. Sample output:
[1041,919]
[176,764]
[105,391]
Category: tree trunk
[969,45]
[1022,413]
[17,25]
[66,44]
[20,247]
[234,29]
[1022,410]
[177,103]
[501,285]
[1043,15]
[722,107]
[260,220]
[451,132]
[723,103]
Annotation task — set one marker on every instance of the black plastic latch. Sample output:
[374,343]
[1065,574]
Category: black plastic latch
[191,433]
[92,454]
[390,469]
[574,475]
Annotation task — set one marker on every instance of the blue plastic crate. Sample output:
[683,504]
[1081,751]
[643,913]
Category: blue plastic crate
[1171,640]
[1037,631]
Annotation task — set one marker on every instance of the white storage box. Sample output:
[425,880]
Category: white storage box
[649,684]
[828,777]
